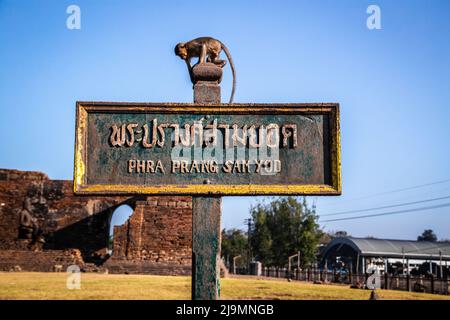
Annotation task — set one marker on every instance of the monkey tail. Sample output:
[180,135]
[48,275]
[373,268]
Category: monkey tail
[230,59]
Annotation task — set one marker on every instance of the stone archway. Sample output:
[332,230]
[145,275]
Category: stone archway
[120,216]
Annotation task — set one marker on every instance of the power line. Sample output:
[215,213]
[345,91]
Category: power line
[384,207]
[395,191]
[390,213]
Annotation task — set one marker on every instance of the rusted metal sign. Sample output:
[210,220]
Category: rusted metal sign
[223,149]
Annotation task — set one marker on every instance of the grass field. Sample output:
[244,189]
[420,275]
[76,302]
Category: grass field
[28,285]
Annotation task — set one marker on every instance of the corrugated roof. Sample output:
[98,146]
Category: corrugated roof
[394,248]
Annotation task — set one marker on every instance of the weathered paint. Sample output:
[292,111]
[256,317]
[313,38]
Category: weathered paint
[206,231]
[314,180]
[206,241]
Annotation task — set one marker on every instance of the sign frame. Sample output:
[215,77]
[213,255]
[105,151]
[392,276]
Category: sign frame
[80,186]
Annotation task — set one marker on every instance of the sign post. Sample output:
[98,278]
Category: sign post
[206,240]
[206,210]
[207,149]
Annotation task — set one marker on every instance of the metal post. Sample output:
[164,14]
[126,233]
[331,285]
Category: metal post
[432,283]
[350,274]
[408,282]
[289,264]
[386,281]
[206,212]
[407,266]
[446,269]
[289,261]
[386,276]
[403,260]
[363,265]
[446,278]
[385,265]
[234,263]
[357,264]
[249,258]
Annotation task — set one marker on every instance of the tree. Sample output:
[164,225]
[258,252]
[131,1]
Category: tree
[427,235]
[261,239]
[234,243]
[282,228]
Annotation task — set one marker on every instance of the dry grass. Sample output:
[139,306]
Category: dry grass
[28,285]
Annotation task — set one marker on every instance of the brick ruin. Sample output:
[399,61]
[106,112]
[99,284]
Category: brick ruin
[45,227]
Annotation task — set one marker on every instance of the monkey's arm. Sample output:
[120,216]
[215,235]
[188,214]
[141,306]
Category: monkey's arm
[188,64]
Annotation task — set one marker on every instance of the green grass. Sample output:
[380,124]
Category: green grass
[29,285]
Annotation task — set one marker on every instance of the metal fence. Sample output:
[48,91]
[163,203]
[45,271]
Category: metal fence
[427,284]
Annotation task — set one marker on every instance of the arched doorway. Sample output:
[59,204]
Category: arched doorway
[119,216]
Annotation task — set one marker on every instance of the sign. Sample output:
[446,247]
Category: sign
[217,149]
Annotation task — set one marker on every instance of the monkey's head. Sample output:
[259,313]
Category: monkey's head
[181,51]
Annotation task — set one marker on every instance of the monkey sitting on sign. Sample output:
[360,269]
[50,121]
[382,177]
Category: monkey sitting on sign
[206,49]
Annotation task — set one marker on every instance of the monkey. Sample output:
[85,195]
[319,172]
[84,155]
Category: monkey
[206,49]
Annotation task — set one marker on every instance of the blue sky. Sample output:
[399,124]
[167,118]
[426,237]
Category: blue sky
[392,84]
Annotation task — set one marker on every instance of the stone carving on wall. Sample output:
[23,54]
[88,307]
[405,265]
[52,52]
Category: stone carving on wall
[29,226]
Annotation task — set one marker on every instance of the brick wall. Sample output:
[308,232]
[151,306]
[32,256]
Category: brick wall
[159,230]
[50,260]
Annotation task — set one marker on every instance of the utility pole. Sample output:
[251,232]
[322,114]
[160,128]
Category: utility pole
[249,227]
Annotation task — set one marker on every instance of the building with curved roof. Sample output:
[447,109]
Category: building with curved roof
[359,253]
